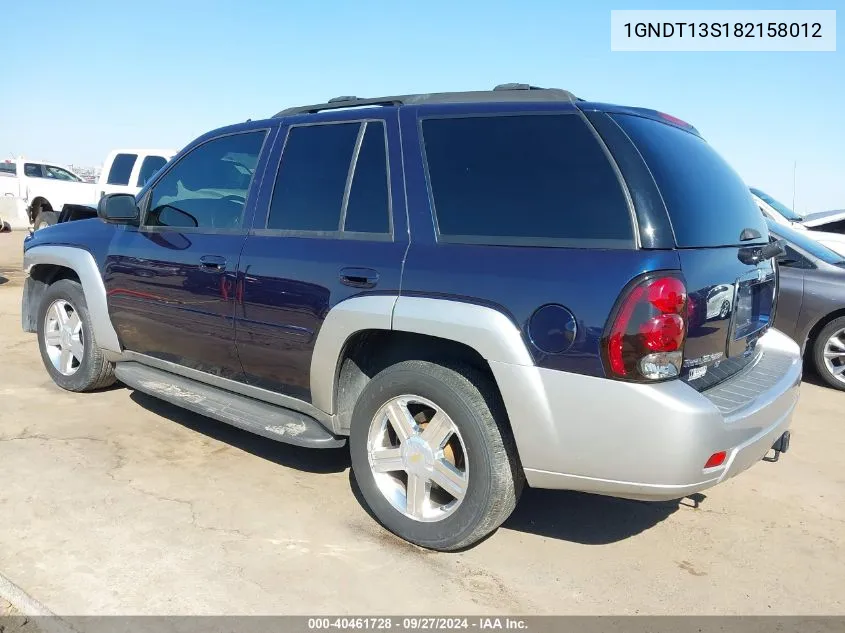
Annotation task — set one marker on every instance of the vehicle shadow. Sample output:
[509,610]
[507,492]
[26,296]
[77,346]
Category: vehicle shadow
[811,375]
[3,280]
[324,460]
[576,516]
[589,519]
[559,514]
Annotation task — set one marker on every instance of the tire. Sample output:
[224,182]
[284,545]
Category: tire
[481,449]
[45,219]
[88,373]
[824,342]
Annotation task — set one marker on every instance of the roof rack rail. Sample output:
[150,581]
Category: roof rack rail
[502,92]
[340,102]
[517,87]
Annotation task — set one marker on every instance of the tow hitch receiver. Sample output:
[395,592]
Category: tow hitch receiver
[780,446]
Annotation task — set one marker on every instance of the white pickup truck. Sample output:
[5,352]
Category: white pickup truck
[33,192]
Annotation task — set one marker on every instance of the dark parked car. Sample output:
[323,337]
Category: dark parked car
[811,302]
[474,290]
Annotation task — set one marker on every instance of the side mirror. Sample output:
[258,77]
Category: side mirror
[119,208]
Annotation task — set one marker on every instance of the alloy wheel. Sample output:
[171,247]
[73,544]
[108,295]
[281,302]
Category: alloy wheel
[63,337]
[418,458]
[834,355]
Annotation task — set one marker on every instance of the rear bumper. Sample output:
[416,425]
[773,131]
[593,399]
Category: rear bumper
[648,441]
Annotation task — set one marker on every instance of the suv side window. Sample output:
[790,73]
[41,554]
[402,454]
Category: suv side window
[208,187]
[524,179]
[149,168]
[332,178]
[8,168]
[311,182]
[121,169]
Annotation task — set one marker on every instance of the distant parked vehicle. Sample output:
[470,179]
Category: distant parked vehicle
[811,301]
[43,190]
[831,221]
[825,228]
[39,187]
[127,170]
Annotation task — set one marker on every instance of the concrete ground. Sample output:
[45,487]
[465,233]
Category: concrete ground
[116,503]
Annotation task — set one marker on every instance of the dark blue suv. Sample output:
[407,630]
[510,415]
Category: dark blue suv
[475,290]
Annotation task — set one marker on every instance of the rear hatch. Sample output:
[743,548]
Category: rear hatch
[719,233]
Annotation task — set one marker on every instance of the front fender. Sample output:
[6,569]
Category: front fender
[83,264]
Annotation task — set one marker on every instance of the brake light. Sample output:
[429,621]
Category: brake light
[646,338]
[673,119]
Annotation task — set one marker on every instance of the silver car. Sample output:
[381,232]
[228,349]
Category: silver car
[811,302]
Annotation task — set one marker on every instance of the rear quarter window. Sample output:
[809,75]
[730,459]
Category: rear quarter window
[32,170]
[121,169]
[707,201]
[539,179]
[149,168]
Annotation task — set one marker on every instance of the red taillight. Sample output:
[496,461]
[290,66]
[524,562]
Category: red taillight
[668,295]
[646,339]
[716,459]
[664,333]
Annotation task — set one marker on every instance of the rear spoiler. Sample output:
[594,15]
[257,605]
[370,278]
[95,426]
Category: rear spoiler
[655,115]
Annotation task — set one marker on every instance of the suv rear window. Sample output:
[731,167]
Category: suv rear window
[707,201]
[524,179]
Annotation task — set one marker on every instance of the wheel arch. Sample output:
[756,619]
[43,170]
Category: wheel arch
[819,325]
[35,207]
[403,328]
[47,264]
[39,279]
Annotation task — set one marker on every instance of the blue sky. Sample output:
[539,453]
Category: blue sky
[101,75]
